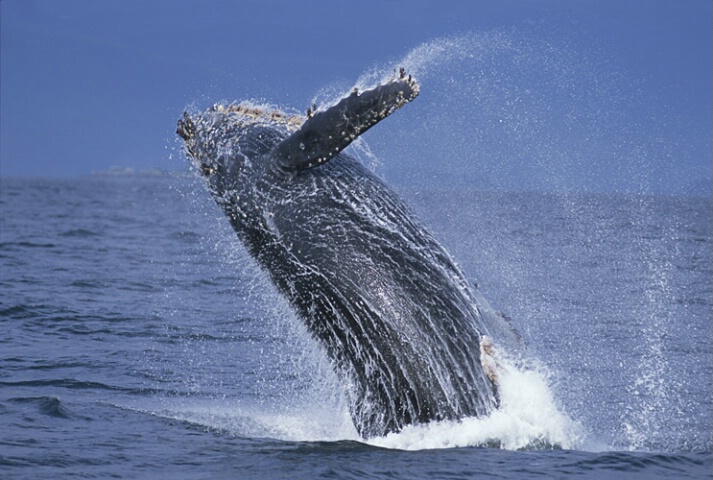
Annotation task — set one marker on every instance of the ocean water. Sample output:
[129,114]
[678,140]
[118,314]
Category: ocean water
[139,341]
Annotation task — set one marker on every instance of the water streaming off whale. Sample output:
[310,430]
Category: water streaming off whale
[392,310]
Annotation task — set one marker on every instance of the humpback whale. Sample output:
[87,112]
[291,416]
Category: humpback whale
[394,313]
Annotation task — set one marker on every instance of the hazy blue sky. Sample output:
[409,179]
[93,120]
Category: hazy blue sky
[600,95]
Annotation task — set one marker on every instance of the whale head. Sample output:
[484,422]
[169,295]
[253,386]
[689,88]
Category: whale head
[238,144]
[230,144]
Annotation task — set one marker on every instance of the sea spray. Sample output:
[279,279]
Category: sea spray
[421,59]
[528,418]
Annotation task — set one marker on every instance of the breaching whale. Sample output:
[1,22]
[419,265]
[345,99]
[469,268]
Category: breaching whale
[394,313]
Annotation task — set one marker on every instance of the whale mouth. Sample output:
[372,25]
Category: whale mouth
[187,129]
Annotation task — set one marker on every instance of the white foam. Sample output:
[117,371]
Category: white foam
[528,418]
[312,424]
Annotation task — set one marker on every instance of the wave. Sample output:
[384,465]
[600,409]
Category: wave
[72,384]
[25,244]
[47,405]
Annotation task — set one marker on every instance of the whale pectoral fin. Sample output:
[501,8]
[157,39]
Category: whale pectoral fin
[324,134]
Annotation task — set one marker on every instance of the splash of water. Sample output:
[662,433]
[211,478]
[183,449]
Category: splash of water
[529,416]
[426,60]
[527,419]
[430,57]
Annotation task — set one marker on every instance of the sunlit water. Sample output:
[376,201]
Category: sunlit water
[141,341]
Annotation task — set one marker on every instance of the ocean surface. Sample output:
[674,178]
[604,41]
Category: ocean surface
[139,341]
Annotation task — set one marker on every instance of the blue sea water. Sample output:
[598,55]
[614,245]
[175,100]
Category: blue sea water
[139,340]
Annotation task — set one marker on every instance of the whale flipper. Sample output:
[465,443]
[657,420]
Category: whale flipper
[326,133]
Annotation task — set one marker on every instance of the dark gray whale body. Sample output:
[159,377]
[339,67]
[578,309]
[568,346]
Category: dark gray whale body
[394,313]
